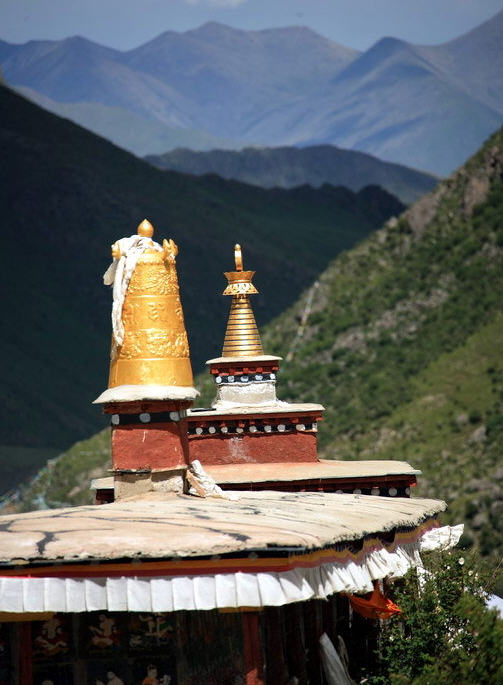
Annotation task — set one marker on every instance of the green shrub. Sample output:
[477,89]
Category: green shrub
[446,635]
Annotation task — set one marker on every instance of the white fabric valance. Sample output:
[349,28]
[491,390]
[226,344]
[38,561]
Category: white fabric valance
[441,538]
[217,591]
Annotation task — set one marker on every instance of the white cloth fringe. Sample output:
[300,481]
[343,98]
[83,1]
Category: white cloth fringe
[437,539]
[204,592]
[119,274]
[203,485]
[442,538]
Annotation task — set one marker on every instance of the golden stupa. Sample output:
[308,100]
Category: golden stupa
[154,350]
[242,338]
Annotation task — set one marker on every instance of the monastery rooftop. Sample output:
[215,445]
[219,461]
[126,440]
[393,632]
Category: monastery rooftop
[182,526]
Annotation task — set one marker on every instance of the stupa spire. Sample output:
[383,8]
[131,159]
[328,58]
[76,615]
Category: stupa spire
[242,338]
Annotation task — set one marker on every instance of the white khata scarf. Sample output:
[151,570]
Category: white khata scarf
[119,274]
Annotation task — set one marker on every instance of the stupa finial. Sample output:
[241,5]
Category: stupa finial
[238,257]
[145,229]
[242,338]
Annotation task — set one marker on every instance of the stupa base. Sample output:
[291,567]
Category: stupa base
[132,484]
[135,393]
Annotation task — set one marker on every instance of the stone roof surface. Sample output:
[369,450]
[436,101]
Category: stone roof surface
[162,526]
[277,407]
[324,469]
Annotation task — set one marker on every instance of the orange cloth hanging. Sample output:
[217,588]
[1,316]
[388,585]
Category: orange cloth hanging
[377,606]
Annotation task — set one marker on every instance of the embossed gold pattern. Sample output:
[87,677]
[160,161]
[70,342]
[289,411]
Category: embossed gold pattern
[155,350]
[242,338]
[158,311]
[154,344]
[148,277]
[239,287]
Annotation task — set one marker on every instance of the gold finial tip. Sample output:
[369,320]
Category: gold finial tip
[146,229]
[238,257]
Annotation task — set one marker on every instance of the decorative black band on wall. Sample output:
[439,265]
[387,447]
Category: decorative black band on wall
[145,418]
[245,378]
[251,428]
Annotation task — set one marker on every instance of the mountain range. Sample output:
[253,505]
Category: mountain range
[400,339]
[65,196]
[288,167]
[126,128]
[427,107]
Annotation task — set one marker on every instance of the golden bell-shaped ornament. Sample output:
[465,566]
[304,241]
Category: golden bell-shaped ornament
[153,349]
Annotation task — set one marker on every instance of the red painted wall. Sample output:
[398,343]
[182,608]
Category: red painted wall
[254,449]
[154,446]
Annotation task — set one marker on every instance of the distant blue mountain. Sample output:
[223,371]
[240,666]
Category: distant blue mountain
[427,107]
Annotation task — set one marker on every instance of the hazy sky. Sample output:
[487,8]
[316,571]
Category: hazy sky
[357,23]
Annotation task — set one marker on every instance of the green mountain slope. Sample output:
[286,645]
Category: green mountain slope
[63,480]
[287,167]
[403,346]
[65,196]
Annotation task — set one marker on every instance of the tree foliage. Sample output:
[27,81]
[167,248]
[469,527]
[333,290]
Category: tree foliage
[446,634]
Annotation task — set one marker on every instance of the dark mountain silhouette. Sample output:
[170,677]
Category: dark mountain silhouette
[288,167]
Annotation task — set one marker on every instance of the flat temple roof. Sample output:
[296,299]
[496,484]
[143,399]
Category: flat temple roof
[162,526]
[324,469]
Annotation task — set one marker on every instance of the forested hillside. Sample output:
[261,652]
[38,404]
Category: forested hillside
[403,346]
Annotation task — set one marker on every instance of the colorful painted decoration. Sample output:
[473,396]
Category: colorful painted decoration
[51,638]
[102,635]
[151,633]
